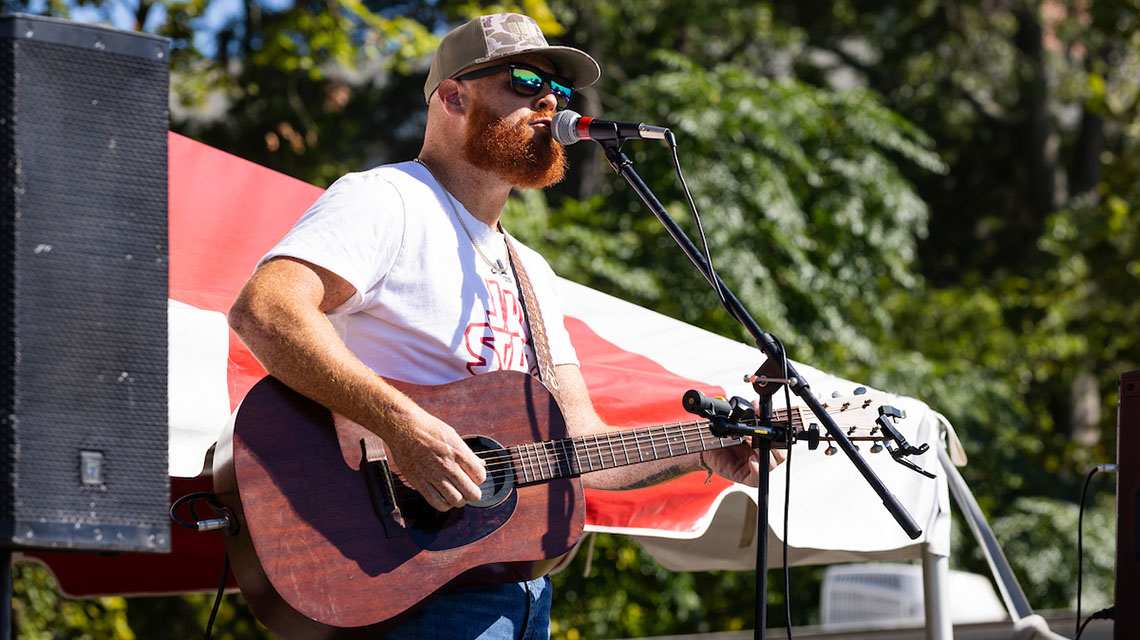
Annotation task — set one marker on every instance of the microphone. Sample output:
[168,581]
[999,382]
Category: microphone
[705,406]
[569,127]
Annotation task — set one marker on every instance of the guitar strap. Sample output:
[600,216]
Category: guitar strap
[533,316]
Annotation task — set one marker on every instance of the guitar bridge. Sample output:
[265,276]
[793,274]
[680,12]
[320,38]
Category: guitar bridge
[382,488]
[383,492]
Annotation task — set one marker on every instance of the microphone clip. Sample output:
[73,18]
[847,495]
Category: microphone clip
[735,418]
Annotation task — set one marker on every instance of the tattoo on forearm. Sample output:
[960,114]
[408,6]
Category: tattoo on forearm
[657,478]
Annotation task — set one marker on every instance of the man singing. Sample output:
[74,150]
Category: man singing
[404,272]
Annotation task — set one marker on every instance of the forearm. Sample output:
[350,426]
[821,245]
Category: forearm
[638,476]
[296,343]
[280,315]
[583,421]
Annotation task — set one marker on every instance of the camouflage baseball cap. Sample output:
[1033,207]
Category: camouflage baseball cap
[502,35]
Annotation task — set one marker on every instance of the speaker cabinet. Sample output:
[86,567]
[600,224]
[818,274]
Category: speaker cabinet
[1127,623]
[83,287]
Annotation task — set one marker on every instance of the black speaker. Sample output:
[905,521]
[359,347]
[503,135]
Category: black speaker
[1127,623]
[83,287]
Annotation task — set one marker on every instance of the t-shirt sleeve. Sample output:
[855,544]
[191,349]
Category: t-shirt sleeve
[355,230]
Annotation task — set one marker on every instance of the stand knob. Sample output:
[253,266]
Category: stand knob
[811,434]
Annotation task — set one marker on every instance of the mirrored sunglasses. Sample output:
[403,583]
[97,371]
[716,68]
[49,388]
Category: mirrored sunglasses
[527,80]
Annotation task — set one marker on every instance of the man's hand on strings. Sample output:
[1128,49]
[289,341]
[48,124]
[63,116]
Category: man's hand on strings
[740,463]
[435,461]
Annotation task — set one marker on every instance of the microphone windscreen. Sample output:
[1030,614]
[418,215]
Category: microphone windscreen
[706,406]
[564,127]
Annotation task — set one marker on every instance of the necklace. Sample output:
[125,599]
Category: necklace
[497,266]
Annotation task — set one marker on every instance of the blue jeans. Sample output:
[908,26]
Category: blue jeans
[515,611]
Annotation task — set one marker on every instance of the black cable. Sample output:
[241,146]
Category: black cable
[191,498]
[762,528]
[218,599]
[787,489]
[1103,614]
[1080,539]
[211,500]
[671,140]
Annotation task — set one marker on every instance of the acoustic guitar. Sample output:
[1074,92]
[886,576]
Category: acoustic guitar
[329,543]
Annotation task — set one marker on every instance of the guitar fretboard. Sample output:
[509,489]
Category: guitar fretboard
[551,459]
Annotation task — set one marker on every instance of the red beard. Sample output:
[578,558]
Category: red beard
[520,155]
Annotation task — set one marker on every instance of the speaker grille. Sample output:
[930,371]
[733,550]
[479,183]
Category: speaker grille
[84,295]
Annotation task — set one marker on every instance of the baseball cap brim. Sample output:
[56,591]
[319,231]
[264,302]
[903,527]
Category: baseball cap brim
[575,65]
[466,47]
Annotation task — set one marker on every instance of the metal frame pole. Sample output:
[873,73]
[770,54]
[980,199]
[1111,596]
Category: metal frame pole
[936,600]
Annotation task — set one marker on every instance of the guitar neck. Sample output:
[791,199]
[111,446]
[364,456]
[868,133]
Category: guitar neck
[552,459]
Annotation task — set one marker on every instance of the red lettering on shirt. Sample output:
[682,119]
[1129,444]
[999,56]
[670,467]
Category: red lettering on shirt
[499,343]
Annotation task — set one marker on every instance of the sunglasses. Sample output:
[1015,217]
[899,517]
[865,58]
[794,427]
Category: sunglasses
[527,81]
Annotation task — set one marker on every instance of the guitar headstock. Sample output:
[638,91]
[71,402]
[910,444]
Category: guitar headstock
[856,415]
[858,410]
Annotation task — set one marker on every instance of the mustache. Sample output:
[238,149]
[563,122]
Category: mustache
[547,114]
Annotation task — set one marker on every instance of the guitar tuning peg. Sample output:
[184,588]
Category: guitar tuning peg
[830,450]
[877,448]
[860,390]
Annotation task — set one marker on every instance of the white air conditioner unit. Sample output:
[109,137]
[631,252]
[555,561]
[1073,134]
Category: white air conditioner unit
[891,596]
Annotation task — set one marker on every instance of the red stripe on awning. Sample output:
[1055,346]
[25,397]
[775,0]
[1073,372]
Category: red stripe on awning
[632,390]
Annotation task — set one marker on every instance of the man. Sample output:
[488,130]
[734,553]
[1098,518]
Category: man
[404,271]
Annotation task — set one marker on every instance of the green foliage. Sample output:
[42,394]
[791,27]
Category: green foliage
[40,613]
[1046,570]
[627,594]
[307,89]
[806,213]
[1039,537]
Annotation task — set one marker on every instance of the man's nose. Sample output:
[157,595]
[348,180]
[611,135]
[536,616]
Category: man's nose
[546,100]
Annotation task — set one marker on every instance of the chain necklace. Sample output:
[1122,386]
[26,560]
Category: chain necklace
[497,266]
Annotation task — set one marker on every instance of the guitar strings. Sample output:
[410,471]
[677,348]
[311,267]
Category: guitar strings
[546,460]
[555,451]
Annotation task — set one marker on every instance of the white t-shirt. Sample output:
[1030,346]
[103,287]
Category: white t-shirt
[427,308]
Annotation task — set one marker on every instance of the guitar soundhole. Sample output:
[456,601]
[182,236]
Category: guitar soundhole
[436,531]
[500,479]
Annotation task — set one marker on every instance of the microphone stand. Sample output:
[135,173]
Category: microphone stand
[766,343]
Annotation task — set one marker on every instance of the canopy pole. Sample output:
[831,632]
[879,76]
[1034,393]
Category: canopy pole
[936,591]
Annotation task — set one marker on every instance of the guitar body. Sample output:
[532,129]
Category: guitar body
[311,553]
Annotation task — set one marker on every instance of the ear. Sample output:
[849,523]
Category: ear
[452,97]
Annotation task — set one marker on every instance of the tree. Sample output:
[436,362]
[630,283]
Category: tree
[1027,102]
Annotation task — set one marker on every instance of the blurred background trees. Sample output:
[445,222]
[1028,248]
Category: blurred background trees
[935,198]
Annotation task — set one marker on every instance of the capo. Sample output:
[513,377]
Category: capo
[896,444]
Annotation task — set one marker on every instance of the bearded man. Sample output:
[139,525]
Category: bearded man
[404,272]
